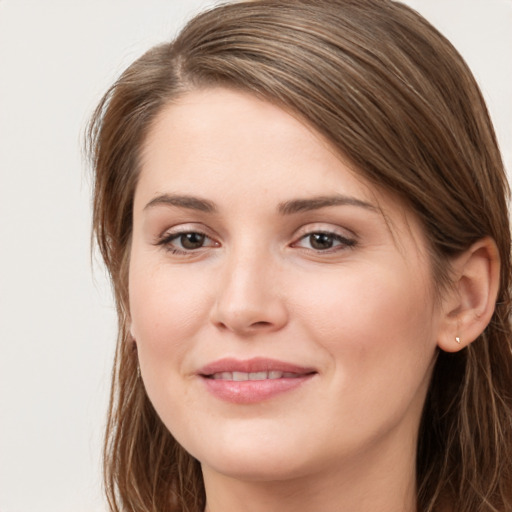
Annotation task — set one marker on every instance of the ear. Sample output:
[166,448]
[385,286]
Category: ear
[469,304]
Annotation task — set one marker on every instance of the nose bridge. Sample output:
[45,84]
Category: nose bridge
[248,297]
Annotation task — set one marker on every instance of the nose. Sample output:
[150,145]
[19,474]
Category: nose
[248,299]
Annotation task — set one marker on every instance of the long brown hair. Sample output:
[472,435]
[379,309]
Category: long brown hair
[397,100]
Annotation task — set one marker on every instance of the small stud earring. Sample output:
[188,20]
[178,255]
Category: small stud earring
[457,339]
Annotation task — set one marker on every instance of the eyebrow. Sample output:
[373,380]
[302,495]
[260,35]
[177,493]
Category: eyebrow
[189,202]
[315,203]
[286,208]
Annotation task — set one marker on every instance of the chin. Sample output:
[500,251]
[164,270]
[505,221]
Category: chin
[256,468]
[253,457]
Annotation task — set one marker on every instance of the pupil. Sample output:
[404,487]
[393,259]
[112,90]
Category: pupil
[192,240]
[320,241]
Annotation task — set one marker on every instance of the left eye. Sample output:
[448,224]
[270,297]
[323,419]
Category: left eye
[323,241]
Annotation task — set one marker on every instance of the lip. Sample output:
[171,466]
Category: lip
[256,364]
[253,391]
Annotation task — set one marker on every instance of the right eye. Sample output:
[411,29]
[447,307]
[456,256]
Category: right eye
[186,241]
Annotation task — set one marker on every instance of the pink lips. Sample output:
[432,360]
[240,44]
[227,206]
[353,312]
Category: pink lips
[252,380]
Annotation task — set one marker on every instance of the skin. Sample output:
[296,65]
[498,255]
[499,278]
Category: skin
[361,313]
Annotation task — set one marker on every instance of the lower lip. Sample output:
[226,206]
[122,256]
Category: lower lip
[252,391]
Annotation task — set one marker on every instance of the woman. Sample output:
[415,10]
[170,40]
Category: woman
[304,213]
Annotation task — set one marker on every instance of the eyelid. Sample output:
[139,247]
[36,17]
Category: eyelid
[178,229]
[321,227]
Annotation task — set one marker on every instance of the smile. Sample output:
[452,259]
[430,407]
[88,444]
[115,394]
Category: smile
[242,376]
[253,381]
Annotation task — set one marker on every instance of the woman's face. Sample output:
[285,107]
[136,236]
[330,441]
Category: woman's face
[283,308]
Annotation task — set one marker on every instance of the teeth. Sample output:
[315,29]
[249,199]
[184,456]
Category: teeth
[258,376]
[243,376]
[223,376]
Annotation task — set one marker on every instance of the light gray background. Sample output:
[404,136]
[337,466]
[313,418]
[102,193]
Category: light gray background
[57,322]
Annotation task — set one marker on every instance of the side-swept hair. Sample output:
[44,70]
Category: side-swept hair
[397,100]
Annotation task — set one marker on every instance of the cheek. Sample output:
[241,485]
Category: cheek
[380,338]
[377,326]
[166,308]
[351,303]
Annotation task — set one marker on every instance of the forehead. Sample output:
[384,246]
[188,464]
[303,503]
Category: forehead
[232,122]
[213,131]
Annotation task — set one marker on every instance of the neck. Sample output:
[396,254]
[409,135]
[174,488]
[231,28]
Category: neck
[382,479]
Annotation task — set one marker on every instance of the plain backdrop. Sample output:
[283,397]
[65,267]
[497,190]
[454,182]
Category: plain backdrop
[57,320]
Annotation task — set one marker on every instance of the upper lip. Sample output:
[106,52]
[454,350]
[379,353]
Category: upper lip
[257,364]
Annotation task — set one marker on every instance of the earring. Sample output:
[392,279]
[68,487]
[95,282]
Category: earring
[457,339]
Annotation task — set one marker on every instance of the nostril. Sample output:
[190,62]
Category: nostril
[260,324]
[249,328]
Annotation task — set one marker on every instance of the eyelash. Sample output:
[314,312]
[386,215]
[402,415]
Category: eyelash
[343,242]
